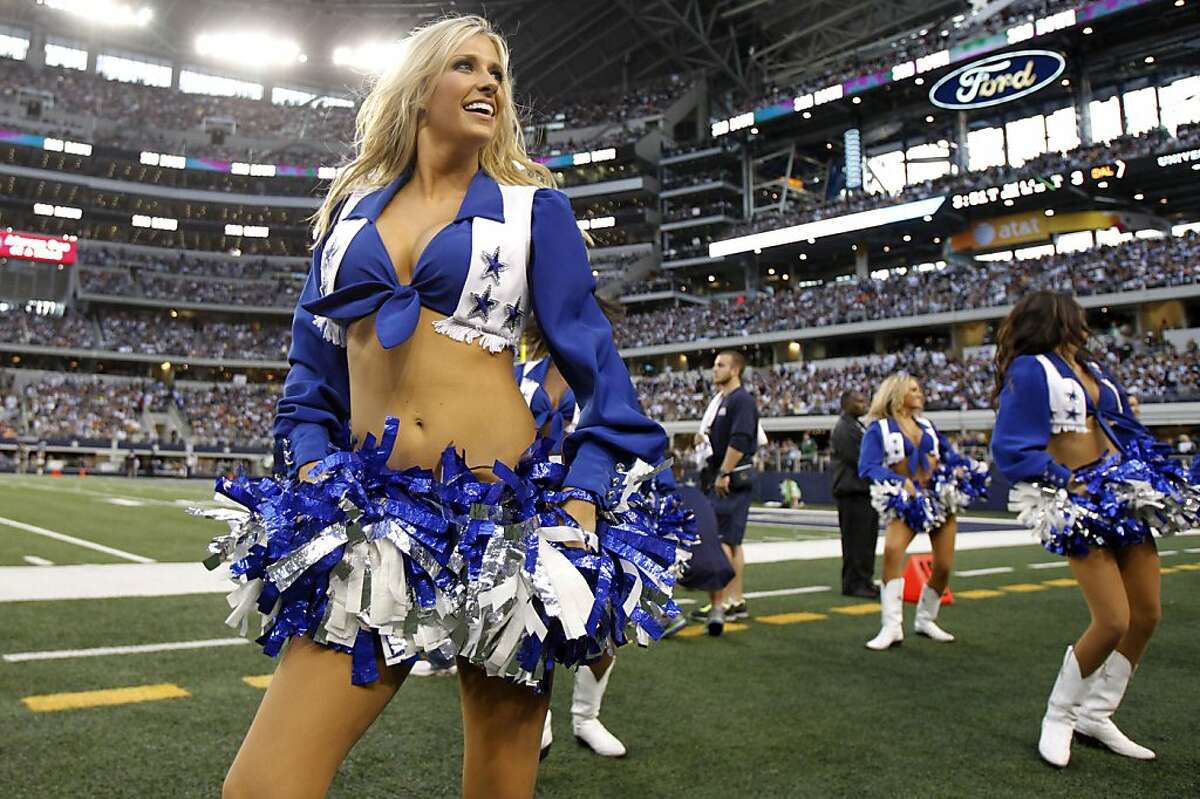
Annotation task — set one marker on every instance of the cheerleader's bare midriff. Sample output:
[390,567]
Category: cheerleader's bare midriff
[1074,450]
[443,391]
[922,476]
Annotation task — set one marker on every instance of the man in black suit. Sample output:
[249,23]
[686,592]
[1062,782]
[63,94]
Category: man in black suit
[856,517]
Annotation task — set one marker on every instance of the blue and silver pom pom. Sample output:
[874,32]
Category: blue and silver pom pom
[1122,502]
[922,511]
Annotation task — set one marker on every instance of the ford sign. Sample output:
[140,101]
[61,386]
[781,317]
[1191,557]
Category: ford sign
[997,79]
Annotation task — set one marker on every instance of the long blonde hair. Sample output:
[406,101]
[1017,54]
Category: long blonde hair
[889,397]
[385,139]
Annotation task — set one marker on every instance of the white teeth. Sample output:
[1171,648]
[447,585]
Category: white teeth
[484,107]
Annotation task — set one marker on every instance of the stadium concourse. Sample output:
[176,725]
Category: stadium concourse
[797,181]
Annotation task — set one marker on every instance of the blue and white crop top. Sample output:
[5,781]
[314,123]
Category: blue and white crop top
[885,444]
[531,378]
[510,250]
[1042,397]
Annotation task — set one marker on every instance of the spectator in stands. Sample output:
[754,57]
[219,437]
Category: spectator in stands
[857,518]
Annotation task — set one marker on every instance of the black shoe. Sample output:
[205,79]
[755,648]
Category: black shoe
[737,612]
[701,613]
[863,592]
[716,621]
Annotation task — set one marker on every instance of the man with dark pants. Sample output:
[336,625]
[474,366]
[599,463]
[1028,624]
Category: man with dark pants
[734,440]
[856,517]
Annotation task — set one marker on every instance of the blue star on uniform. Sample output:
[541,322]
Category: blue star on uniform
[493,265]
[1072,413]
[483,304]
[1072,395]
[513,316]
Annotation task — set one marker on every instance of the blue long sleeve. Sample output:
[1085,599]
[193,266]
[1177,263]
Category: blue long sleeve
[949,455]
[612,427]
[871,464]
[1022,429]
[314,412]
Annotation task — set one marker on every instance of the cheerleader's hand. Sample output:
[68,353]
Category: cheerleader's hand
[909,487]
[1077,488]
[584,514]
[305,471]
[1135,406]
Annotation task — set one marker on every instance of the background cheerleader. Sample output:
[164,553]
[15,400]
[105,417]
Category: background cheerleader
[918,483]
[555,414]
[1094,484]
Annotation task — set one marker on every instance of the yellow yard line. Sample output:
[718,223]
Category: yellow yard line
[697,630]
[791,618]
[978,593]
[857,610]
[45,703]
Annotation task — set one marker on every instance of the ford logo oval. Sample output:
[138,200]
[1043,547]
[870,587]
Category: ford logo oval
[997,79]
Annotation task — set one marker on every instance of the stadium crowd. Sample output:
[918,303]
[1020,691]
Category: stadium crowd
[194,338]
[1135,264]
[813,207]
[235,415]
[135,283]
[230,415]
[183,262]
[60,407]
[1153,373]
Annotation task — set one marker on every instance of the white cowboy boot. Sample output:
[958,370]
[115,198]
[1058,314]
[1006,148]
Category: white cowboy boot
[585,714]
[891,603]
[547,737]
[1058,725]
[927,612]
[1095,713]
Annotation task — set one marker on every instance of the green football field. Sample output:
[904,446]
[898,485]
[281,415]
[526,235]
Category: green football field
[788,704]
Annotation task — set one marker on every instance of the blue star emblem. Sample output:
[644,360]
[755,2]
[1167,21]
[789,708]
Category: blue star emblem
[1072,395]
[1072,413]
[493,266]
[514,316]
[483,304]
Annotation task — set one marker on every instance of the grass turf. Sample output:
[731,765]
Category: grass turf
[775,710]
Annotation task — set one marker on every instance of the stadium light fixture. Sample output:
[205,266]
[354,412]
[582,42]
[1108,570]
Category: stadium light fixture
[1149,59]
[1088,31]
[110,13]
[369,56]
[1139,196]
[848,223]
[248,48]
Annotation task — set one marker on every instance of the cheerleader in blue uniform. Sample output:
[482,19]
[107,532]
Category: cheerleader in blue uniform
[415,518]
[918,485]
[555,414]
[1094,484]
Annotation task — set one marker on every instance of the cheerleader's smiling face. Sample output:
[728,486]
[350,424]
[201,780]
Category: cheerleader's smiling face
[914,398]
[468,95]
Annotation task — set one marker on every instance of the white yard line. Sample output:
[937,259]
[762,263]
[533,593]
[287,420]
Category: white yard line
[34,560]
[109,581]
[79,542]
[818,549]
[1050,564]
[807,589]
[982,572]
[69,654]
